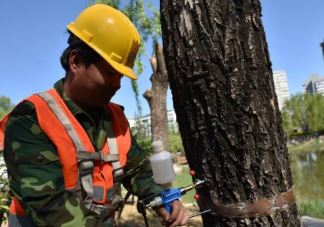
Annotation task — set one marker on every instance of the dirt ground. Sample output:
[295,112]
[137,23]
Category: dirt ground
[131,218]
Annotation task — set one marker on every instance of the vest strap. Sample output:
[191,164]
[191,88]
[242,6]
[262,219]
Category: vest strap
[98,156]
[113,148]
[115,202]
[85,167]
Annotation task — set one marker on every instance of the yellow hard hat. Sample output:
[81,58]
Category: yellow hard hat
[111,34]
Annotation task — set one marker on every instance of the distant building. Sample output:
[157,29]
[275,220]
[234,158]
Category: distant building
[145,123]
[281,87]
[315,85]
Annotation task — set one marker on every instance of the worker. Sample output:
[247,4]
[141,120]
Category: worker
[69,149]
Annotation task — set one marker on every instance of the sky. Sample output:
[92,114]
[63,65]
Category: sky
[33,36]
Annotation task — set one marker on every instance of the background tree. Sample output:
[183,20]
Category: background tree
[156,97]
[5,105]
[303,112]
[147,20]
[223,93]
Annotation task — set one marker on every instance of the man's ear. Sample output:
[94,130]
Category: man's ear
[74,61]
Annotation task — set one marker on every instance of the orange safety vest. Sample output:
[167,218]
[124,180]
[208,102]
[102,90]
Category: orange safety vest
[2,129]
[76,152]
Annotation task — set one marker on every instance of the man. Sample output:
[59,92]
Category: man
[68,149]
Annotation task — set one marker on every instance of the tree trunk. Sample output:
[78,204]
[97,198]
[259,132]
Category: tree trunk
[156,97]
[223,93]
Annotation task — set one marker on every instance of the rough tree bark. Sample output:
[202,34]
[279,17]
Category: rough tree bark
[156,97]
[221,79]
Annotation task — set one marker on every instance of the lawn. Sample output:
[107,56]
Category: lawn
[183,179]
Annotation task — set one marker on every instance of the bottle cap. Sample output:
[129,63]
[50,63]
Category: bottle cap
[157,146]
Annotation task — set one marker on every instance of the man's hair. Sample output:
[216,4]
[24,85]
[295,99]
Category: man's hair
[86,54]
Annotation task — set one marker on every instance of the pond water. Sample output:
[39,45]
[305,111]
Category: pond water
[308,173]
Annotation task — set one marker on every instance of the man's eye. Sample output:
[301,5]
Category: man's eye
[111,72]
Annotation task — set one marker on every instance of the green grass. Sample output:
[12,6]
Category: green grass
[306,147]
[184,179]
[313,208]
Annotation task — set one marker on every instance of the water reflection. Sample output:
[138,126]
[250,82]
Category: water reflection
[308,174]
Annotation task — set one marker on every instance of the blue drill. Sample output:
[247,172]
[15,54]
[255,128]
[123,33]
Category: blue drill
[166,197]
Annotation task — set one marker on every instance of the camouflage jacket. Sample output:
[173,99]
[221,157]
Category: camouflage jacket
[34,168]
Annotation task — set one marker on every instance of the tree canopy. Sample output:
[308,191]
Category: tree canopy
[303,113]
[5,105]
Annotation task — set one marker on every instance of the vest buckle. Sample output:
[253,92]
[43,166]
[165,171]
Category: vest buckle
[86,167]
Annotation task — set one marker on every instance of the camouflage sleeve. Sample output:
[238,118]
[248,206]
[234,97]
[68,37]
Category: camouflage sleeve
[142,184]
[35,174]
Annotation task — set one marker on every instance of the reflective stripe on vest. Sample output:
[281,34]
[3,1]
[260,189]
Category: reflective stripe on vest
[59,124]
[112,143]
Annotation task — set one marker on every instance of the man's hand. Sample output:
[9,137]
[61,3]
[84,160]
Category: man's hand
[178,216]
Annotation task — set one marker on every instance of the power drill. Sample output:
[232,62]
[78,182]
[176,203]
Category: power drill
[163,173]
[166,197]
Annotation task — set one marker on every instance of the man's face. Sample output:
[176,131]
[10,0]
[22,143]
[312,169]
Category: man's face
[99,83]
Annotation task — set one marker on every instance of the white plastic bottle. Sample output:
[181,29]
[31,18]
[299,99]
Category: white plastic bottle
[162,166]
